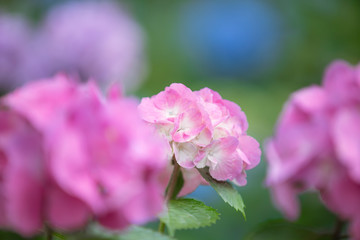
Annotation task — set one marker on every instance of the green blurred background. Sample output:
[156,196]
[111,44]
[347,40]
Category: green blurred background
[270,49]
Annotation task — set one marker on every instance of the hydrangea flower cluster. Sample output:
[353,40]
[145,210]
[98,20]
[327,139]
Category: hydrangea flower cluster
[203,130]
[88,39]
[68,156]
[15,36]
[94,39]
[317,146]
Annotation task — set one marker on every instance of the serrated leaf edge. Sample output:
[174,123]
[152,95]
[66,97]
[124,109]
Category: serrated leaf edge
[242,210]
[208,224]
[212,221]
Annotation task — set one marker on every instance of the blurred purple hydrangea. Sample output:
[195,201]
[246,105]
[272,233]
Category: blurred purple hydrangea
[89,39]
[14,36]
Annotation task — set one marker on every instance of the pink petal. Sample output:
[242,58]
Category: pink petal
[40,101]
[310,99]
[64,211]
[355,228]
[188,126]
[114,92]
[114,220]
[340,81]
[165,130]
[166,106]
[293,148]
[21,173]
[169,101]
[215,112]
[274,170]
[222,131]
[284,197]
[251,148]
[24,202]
[203,138]
[240,180]
[342,196]
[185,154]
[144,206]
[224,146]
[192,179]
[304,106]
[236,112]
[70,164]
[150,113]
[212,104]
[357,69]
[209,95]
[337,73]
[232,126]
[346,132]
[201,160]
[225,163]
[182,90]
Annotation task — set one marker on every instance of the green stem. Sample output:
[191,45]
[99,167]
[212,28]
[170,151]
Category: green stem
[161,227]
[170,189]
[338,229]
[172,182]
[48,233]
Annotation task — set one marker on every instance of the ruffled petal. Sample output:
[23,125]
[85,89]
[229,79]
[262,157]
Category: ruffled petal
[185,154]
[225,163]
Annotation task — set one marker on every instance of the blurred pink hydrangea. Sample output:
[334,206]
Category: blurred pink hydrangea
[203,130]
[15,35]
[68,156]
[89,39]
[316,146]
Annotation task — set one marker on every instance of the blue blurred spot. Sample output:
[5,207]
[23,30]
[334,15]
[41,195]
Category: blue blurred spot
[205,194]
[229,37]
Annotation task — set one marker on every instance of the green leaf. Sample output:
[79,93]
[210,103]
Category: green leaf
[136,233]
[226,191]
[188,214]
[58,236]
[178,186]
[93,238]
[10,235]
[133,233]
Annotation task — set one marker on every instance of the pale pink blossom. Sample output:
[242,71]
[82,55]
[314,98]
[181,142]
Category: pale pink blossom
[203,130]
[316,146]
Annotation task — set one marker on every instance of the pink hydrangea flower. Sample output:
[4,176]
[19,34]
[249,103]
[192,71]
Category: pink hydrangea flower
[203,130]
[69,155]
[25,182]
[21,182]
[316,146]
